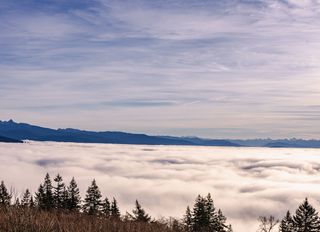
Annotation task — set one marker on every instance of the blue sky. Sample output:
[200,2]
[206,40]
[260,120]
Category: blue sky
[220,69]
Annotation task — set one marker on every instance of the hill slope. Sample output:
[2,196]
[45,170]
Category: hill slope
[8,140]
[23,131]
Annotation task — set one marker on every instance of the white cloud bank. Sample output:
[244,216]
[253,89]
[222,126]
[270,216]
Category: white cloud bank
[245,182]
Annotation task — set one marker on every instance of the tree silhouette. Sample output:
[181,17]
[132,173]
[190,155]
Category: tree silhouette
[306,218]
[40,196]
[5,196]
[26,199]
[286,224]
[115,212]
[106,207]
[267,224]
[48,194]
[92,201]
[73,194]
[188,220]
[59,193]
[200,215]
[204,217]
[139,214]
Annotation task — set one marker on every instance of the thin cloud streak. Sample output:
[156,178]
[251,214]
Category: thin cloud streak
[245,58]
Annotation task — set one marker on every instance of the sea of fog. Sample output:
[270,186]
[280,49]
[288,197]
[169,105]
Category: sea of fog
[245,182]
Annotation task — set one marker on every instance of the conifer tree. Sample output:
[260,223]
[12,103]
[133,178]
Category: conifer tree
[286,224]
[139,214]
[205,218]
[26,199]
[44,196]
[221,222]
[188,220]
[5,196]
[65,199]
[48,194]
[40,197]
[200,216]
[106,207]
[58,194]
[92,200]
[74,198]
[115,212]
[306,218]
[212,216]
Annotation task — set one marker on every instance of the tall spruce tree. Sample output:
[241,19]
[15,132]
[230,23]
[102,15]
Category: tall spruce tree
[204,217]
[306,218]
[44,196]
[5,196]
[59,193]
[200,216]
[212,216]
[286,224]
[92,201]
[187,220]
[221,222]
[48,193]
[74,198]
[115,212]
[40,197]
[106,207]
[26,199]
[139,214]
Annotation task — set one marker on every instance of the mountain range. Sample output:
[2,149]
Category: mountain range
[8,140]
[11,131]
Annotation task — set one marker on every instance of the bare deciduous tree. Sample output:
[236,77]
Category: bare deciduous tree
[267,224]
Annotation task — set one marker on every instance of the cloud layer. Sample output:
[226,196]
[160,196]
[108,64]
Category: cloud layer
[245,182]
[216,66]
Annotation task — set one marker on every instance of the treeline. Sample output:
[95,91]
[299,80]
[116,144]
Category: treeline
[56,207]
[54,197]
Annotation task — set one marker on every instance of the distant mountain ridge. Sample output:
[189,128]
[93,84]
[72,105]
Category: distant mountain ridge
[23,131]
[8,140]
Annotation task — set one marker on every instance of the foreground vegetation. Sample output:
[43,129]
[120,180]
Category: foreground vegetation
[59,208]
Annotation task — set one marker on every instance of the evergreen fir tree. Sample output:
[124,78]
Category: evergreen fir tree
[65,199]
[92,200]
[74,198]
[205,218]
[212,216]
[188,220]
[200,216]
[5,196]
[286,224]
[26,199]
[40,197]
[221,222]
[59,191]
[106,207]
[139,214]
[306,218]
[48,194]
[115,212]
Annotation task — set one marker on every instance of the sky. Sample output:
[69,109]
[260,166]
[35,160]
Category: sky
[245,183]
[209,68]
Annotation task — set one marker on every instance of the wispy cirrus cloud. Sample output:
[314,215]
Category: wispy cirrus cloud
[238,59]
